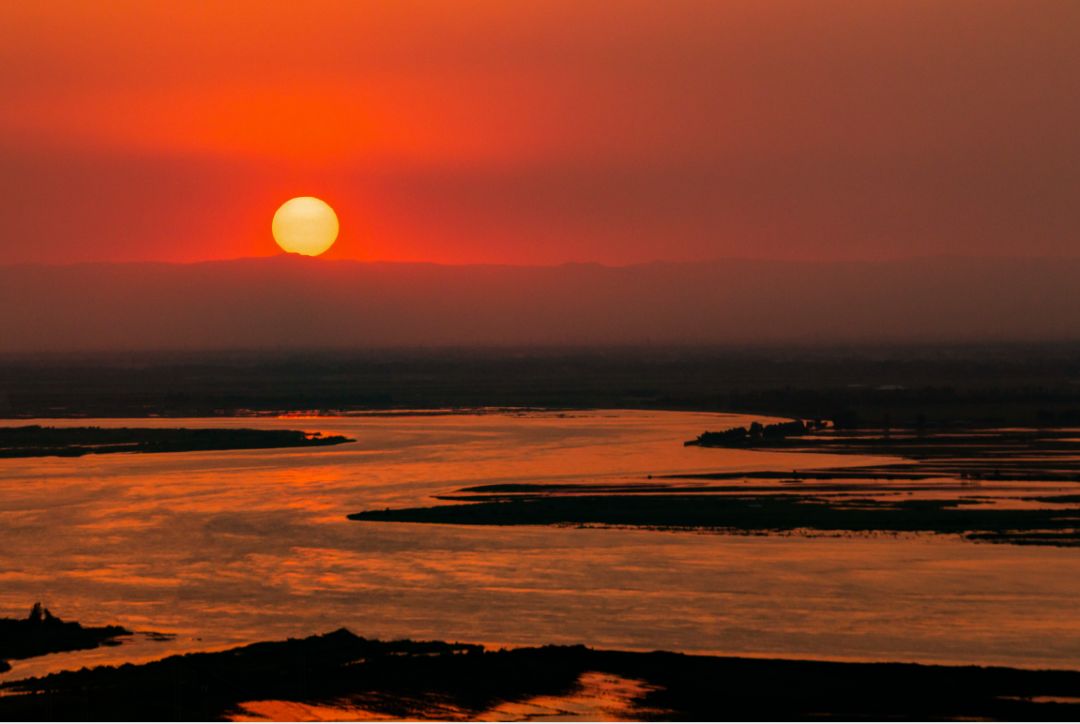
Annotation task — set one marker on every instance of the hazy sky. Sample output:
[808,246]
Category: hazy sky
[542,132]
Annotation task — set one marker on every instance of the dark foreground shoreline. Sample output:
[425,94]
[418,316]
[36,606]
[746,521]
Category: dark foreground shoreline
[436,680]
[37,441]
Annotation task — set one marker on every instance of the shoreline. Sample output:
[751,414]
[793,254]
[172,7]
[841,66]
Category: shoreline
[342,672]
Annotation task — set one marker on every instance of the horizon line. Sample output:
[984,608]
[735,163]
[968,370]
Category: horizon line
[300,258]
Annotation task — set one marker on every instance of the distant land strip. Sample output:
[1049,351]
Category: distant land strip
[38,441]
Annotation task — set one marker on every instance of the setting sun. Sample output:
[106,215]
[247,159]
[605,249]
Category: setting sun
[305,225]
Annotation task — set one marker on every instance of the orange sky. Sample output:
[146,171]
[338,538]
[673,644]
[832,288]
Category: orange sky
[542,132]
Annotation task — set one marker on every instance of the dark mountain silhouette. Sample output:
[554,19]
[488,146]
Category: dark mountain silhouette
[289,302]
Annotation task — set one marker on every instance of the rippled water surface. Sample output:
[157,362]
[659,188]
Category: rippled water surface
[221,548]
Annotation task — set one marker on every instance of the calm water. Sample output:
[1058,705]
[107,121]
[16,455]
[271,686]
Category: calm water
[223,548]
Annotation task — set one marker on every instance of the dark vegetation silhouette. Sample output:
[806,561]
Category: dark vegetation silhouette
[38,441]
[916,443]
[418,680]
[43,633]
[756,435]
[1048,454]
[932,387]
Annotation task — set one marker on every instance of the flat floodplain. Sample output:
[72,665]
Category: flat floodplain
[231,547]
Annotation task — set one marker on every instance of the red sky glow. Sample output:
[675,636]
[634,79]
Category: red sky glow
[542,132]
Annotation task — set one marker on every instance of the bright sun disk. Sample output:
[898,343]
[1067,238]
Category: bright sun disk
[305,225]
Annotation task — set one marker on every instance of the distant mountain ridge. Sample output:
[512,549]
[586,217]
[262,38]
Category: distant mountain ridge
[289,302]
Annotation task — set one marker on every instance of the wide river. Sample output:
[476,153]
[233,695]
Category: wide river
[221,548]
